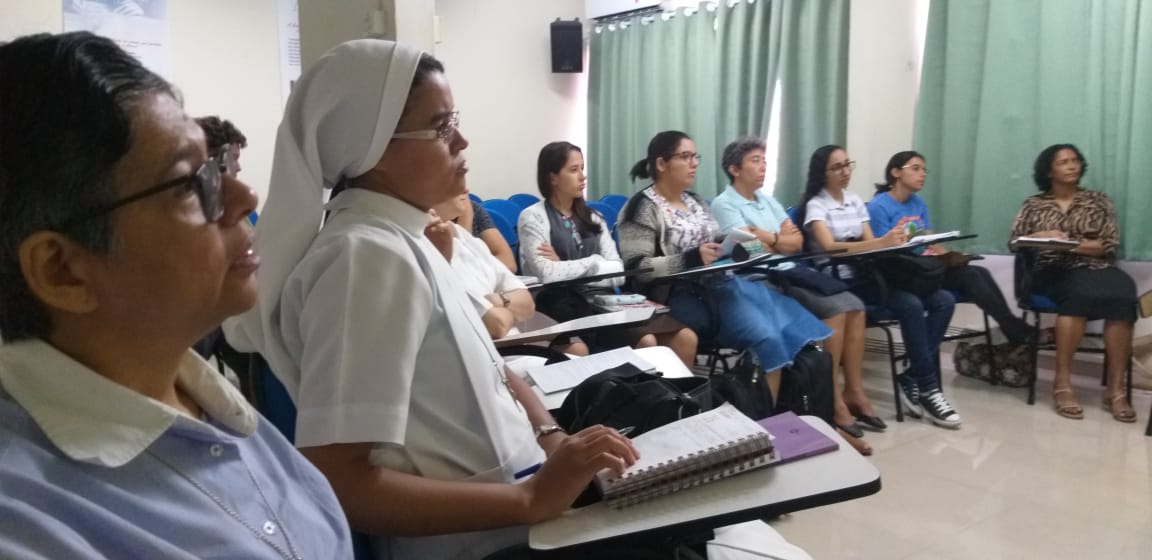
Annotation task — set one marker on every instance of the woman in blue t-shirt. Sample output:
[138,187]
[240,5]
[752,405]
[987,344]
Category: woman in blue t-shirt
[896,201]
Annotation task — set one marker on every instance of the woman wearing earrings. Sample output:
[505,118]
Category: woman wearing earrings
[561,238]
[835,218]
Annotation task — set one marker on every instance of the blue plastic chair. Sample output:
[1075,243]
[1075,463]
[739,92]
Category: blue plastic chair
[510,210]
[475,198]
[607,211]
[253,217]
[616,201]
[508,230]
[523,200]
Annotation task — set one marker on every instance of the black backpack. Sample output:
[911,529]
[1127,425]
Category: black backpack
[625,397]
[806,385]
[916,274]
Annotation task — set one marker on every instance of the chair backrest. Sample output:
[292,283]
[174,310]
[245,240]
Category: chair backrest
[616,201]
[509,210]
[523,200]
[607,211]
[1022,277]
[506,227]
[475,197]
[253,217]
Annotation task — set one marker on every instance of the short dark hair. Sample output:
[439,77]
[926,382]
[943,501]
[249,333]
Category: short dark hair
[1043,166]
[65,122]
[663,145]
[735,152]
[898,160]
[218,132]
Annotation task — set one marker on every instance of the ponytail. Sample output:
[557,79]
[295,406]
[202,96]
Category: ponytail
[640,170]
[662,146]
[898,160]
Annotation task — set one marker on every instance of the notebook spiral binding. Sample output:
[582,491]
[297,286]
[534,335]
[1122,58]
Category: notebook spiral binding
[688,471]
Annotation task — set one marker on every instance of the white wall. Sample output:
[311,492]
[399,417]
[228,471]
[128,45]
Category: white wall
[498,58]
[225,60]
[884,54]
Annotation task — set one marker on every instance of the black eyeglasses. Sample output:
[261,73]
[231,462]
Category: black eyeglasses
[206,182]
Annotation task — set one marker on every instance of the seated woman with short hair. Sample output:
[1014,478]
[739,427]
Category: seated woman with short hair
[123,242]
[1084,282]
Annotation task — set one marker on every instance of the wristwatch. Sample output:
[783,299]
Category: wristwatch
[548,429]
[504,298]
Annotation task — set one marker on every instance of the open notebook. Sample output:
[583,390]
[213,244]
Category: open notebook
[689,452]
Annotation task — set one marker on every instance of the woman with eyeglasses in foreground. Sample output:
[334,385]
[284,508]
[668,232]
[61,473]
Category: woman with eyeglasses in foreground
[833,217]
[123,242]
[1084,282]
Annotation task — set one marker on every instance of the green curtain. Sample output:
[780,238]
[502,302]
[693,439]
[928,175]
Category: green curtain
[1004,79]
[712,75]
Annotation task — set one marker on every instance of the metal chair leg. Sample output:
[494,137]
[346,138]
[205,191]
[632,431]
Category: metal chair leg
[1034,350]
[892,366]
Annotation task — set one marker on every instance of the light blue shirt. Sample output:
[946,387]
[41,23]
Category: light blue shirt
[733,211]
[91,469]
[886,212]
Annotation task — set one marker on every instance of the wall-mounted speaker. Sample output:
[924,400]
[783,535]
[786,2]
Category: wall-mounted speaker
[567,46]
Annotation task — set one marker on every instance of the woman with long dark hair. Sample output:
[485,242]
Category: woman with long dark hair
[561,238]
[833,217]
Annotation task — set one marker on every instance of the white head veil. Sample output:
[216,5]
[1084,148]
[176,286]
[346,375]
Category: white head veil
[327,134]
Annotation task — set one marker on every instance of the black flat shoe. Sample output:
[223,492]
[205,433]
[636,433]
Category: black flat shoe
[852,429]
[873,423]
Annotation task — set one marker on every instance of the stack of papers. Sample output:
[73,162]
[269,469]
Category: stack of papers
[563,376]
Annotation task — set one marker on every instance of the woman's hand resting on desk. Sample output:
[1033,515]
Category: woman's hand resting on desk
[569,468]
[709,253]
[898,235]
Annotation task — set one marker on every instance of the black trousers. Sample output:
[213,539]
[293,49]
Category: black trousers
[975,284]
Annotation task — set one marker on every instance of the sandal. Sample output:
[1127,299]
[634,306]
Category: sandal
[858,444]
[1118,406]
[1067,407]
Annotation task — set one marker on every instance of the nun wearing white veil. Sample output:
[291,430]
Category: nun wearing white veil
[402,400]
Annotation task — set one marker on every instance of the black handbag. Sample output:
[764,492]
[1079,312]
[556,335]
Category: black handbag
[625,397]
[810,279]
[915,274]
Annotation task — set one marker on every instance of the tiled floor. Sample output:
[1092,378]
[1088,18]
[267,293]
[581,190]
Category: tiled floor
[1015,482]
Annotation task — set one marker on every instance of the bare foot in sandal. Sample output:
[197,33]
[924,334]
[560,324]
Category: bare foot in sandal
[1064,400]
[1118,406]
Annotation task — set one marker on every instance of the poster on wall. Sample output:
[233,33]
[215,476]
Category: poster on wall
[138,26]
[289,18]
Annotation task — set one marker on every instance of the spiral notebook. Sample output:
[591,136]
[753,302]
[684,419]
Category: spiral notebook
[696,450]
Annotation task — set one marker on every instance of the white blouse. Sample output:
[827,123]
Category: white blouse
[391,351]
[479,271]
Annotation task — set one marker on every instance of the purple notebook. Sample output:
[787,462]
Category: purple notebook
[795,439]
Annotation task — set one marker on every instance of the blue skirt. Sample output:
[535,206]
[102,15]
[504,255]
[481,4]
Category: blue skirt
[747,315]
